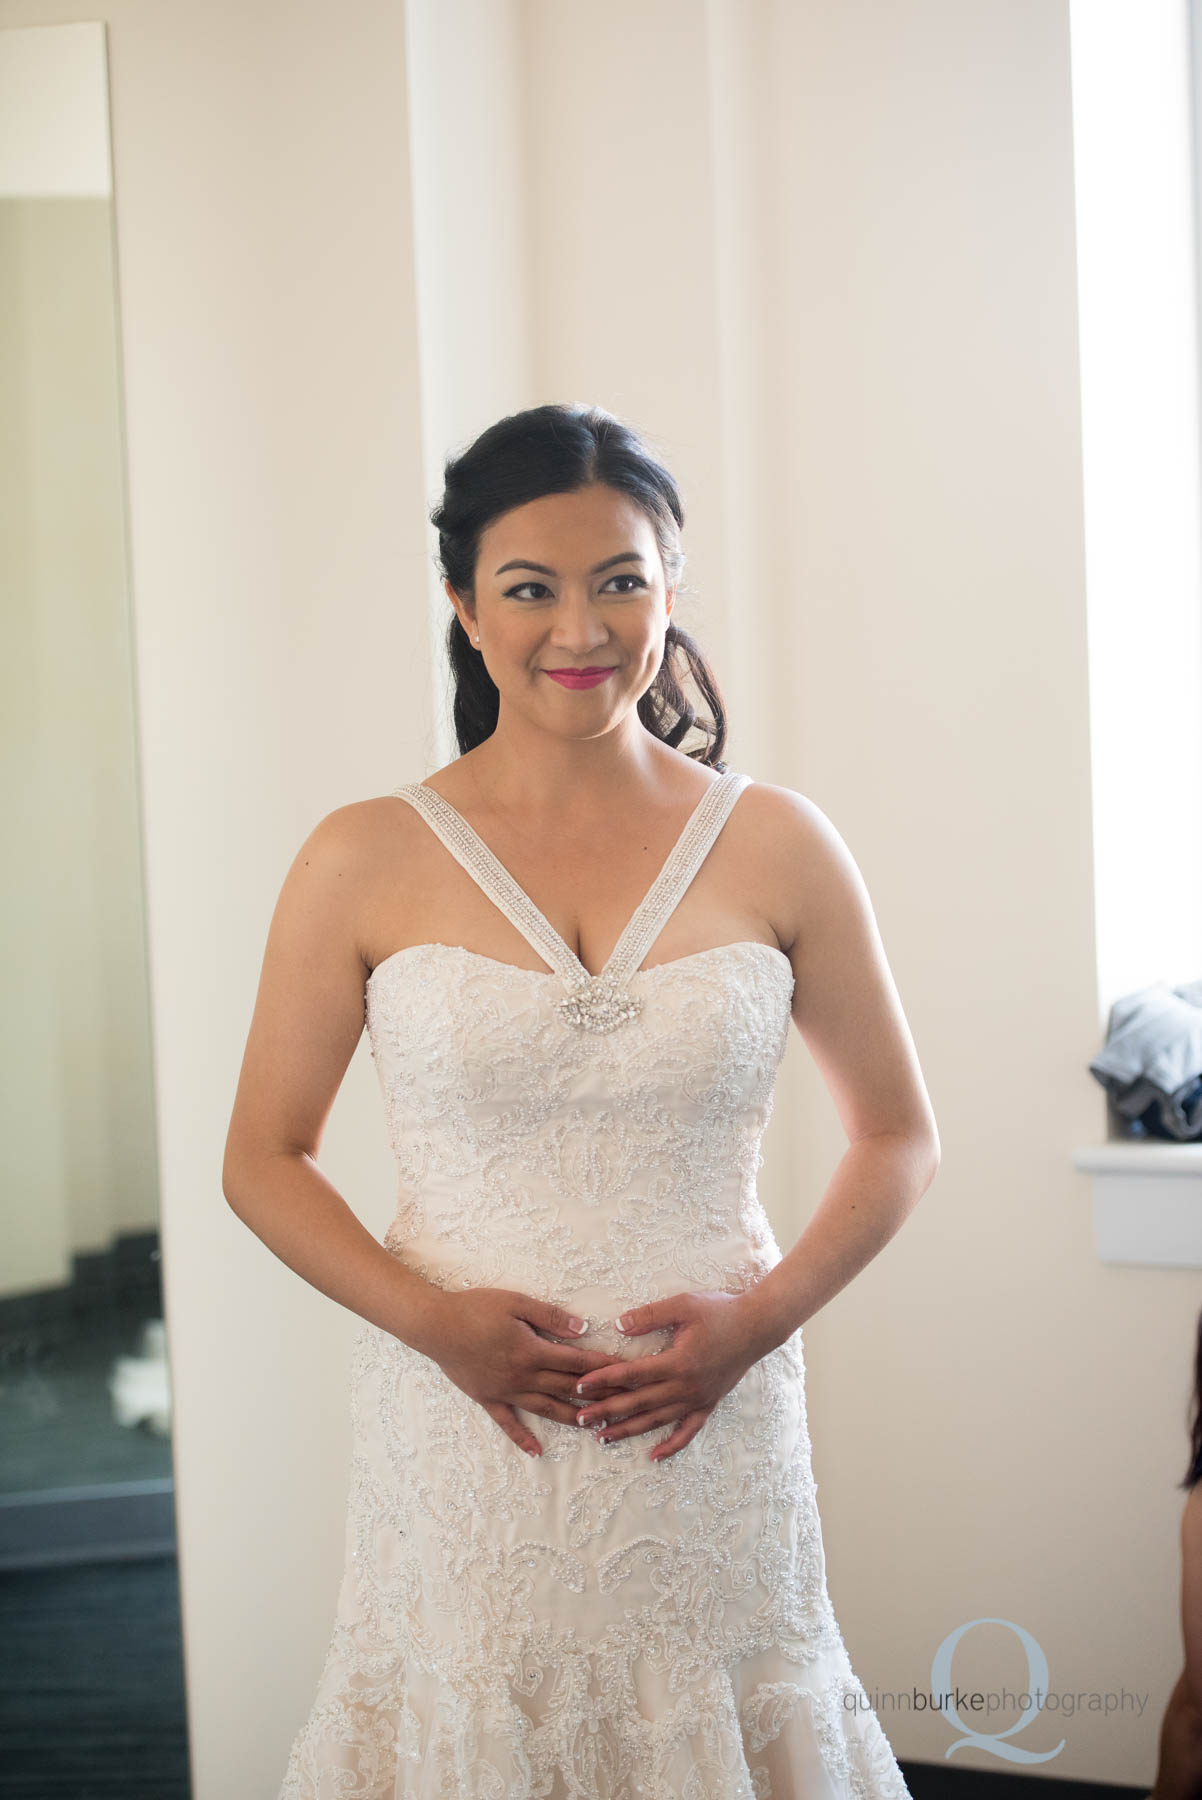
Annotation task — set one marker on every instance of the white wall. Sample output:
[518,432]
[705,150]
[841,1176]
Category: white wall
[825,255]
[278,551]
[472,255]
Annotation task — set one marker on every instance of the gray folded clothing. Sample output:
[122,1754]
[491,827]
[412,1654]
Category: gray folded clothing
[1153,1056]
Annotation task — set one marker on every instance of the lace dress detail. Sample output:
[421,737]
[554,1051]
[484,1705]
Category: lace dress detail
[587,1624]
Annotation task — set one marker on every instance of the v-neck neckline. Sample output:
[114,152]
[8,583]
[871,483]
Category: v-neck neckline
[656,893]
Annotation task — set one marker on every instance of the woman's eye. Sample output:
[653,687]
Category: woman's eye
[518,593]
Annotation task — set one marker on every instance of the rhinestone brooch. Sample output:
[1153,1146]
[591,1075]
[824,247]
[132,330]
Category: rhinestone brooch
[599,1004]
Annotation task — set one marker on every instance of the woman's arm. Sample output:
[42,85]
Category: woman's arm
[308,1018]
[847,1009]
[1191,1595]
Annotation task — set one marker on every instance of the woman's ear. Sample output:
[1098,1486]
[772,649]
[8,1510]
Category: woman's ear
[465,618]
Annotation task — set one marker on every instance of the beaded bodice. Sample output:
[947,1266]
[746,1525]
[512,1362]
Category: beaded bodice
[601,1141]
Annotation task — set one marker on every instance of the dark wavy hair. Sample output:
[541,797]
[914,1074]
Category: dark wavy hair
[1193,1474]
[558,449]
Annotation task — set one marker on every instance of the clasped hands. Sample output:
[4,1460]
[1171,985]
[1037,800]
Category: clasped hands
[714,1343]
[507,1350]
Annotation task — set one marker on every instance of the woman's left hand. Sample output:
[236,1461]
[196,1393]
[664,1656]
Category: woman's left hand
[716,1338]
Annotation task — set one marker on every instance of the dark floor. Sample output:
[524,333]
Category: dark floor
[940,1781]
[91,1661]
[92,1684]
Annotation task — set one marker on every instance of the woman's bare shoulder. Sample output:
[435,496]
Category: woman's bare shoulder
[369,830]
[799,856]
[784,809]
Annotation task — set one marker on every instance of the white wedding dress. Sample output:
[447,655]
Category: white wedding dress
[586,1624]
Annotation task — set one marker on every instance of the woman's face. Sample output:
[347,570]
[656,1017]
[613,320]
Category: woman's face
[566,583]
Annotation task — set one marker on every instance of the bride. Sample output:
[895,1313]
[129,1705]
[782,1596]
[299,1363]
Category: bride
[584,1553]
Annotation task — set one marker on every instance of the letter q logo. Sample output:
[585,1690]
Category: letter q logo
[1037,1682]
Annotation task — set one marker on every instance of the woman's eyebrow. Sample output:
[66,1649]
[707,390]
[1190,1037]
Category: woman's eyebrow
[624,556]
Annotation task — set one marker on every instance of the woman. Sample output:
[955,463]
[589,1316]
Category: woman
[1179,1769]
[584,1553]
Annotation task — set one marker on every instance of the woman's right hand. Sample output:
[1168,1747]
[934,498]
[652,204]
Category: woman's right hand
[493,1343]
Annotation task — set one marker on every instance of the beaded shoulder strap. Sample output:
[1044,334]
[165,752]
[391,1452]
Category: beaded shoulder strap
[674,879]
[490,874]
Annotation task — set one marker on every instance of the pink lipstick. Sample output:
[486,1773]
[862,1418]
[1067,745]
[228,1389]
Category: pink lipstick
[578,678]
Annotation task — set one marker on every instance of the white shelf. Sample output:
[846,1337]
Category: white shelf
[1147,1202]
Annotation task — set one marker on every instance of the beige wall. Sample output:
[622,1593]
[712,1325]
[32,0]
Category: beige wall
[79,1154]
[825,255]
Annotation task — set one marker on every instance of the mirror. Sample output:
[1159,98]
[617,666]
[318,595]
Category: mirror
[91,1671]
